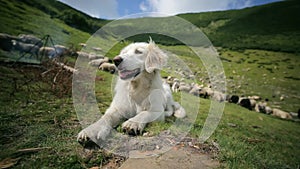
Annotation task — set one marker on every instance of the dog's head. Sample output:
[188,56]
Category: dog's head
[138,57]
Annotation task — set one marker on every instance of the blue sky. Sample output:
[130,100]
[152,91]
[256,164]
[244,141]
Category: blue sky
[114,9]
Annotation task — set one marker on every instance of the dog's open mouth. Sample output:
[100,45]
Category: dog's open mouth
[126,74]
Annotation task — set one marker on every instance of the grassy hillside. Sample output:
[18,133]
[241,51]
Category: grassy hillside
[64,24]
[271,27]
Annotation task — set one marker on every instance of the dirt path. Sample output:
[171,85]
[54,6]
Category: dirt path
[176,158]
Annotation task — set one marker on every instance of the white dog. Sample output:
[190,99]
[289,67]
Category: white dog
[140,96]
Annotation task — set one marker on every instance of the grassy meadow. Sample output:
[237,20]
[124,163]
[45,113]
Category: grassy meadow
[39,125]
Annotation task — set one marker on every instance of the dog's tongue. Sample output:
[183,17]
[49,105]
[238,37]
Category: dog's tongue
[126,74]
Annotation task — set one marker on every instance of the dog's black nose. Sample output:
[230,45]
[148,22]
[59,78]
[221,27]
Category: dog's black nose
[117,60]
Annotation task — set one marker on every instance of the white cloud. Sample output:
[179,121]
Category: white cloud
[171,7]
[96,8]
[143,7]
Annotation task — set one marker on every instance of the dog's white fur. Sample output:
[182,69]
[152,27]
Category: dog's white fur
[140,97]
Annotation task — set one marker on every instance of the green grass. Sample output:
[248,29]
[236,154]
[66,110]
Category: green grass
[34,117]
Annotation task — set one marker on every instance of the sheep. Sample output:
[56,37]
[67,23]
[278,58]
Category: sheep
[218,96]
[61,50]
[233,99]
[47,51]
[184,87]
[261,107]
[252,103]
[25,48]
[245,102]
[175,85]
[93,56]
[82,54]
[268,110]
[98,62]
[195,89]
[109,67]
[170,80]
[206,92]
[281,114]
[31,39]
[254,97]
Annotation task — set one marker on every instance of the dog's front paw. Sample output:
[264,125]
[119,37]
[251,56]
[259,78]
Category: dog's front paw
[133,128]
[82,137]
[85,141]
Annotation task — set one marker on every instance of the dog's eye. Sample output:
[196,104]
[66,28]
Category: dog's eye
[138,51]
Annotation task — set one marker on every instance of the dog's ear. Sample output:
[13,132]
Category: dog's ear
[156,58]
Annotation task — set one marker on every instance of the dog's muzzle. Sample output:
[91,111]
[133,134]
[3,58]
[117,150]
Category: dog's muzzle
[123,72]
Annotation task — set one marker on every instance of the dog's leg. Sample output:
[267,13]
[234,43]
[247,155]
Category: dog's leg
[98,131]
[136,124]
[179,111]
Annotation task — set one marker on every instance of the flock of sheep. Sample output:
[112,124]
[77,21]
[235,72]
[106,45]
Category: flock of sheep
[29,44]
[98,60]
[255,103]
[32,45]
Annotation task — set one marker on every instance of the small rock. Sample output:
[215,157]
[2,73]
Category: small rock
[231,125]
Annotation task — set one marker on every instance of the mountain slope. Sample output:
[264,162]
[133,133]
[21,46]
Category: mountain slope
[273,26]
[47,17]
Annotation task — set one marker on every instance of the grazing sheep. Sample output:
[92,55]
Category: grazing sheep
[183,87]
[268,110]
[253,103]
[218,96]
[254,97]
[109,67]
[48,52]
[82,54]
[25,48]
[261,107]
[170,80]
[175,85]
[195,90]
[206,92]
[233,99]
[98,62]
[93,56]
[245,102]
[61,50]
[281,114]
[31,39]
